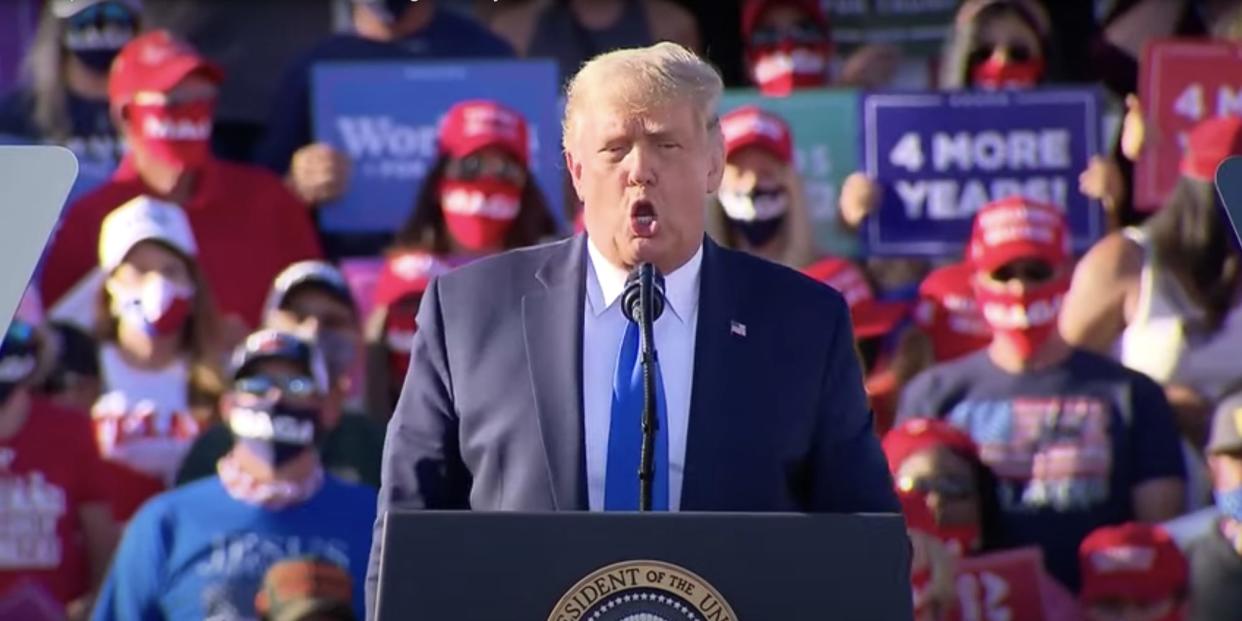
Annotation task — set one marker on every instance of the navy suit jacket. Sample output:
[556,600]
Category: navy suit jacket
[491,414]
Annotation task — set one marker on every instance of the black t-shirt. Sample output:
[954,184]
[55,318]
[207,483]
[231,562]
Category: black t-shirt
[1067,443]
[1215,577]
[92,136]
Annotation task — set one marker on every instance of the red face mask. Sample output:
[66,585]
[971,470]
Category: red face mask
[480,212]
[961,540]
[177,134]
[994,73]
[779,69]
[1025,320]
[399,332]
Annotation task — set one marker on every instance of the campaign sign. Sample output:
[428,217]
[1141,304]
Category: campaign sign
[939,157]
[824,125]
[1181,82]
[385,116]
[1001,586]
[917,26]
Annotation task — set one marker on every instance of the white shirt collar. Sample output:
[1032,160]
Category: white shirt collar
[681,287]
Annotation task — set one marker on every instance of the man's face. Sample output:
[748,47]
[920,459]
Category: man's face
[275,381]
[644,178]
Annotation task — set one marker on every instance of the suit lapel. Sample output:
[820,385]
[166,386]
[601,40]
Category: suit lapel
[711,391]
[552,320]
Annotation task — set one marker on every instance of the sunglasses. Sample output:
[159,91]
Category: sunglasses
[262,385]
[474,167]
[1033,272]
[807,32]
[951,488]
[102,13]
[1017,53]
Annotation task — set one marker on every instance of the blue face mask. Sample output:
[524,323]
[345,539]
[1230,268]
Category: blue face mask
[1230,503]
[96,34]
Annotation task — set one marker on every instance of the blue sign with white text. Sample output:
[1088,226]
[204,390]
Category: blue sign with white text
[939,157]
[385,115]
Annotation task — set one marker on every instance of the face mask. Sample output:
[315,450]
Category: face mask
[994,73]
[179,135]
[95,36]
[159,307]
[274,433]
[756,215]
[479,213]
[778,70]
[1025,320]
[961,540]
[338,352]
[1230,503]
[15,367]
[398,338]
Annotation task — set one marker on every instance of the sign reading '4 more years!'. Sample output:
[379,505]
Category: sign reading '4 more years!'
[385,116]
[1180,84]
[939,157]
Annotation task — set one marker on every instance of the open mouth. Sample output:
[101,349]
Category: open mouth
[643,220]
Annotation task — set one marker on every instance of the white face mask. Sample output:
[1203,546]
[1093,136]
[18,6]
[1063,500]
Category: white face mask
[755,205]
[159,306]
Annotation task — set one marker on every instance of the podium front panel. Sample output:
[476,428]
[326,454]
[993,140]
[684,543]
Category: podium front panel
[441,566]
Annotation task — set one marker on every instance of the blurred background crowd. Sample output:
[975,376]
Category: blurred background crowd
[194,391]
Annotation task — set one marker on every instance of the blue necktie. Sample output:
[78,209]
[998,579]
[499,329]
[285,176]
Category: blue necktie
[625,433]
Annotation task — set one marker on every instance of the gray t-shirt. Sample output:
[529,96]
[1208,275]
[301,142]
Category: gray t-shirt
[1215,577]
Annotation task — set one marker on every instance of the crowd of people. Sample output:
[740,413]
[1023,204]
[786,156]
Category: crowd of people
[221,389]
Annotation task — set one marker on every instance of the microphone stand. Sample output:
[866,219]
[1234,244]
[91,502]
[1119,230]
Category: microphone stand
[650,422]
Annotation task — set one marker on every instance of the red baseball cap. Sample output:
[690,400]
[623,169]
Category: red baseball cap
[871,317]
[1208,144]
[947,312]
[405,274]
[156,61]
[752,10]
[478,123]
[1018,228]
[752,126]
[1131,561]
[919,434]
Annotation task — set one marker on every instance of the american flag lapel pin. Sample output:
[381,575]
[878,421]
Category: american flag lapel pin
[737,328]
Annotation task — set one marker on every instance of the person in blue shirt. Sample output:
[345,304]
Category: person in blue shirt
[383,30]
[201,551]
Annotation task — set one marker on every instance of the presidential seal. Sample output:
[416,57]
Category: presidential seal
[642,591]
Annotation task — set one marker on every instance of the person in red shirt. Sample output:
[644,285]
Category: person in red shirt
[248,225]
[56,531]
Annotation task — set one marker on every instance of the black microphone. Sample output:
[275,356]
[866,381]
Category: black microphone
[642,301]
[631,296]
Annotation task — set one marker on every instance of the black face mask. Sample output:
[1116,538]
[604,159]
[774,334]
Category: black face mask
[275,433]
[750,213]
[98,33]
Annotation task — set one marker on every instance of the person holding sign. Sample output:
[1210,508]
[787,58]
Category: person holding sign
[760,207]
[998,44]
[1163,297]
[479,197]
[1076,440]
[1133,572]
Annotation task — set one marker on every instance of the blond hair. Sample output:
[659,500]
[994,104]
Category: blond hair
[638,78]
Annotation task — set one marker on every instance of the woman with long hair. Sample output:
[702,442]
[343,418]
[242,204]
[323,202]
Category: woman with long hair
[480,197]
[159,352]
[1163,297]
[63,96]
[998,44]
[760,207]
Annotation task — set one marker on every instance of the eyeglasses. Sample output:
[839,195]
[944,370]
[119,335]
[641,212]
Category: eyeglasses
[262,385]
[474,167]
[806,32]
[950,488]
[1016,52]
[1033,272]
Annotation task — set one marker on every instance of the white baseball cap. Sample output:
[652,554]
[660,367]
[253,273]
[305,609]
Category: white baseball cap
[141,219]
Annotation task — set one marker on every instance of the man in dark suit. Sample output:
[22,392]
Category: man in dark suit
[521,389]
